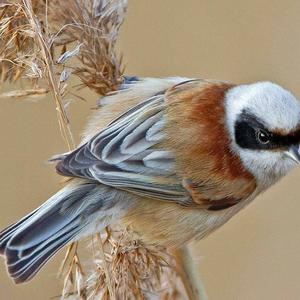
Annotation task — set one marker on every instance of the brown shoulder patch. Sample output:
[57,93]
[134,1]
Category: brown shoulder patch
[197,135]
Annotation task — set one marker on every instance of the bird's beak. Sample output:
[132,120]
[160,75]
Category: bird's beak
[294,153]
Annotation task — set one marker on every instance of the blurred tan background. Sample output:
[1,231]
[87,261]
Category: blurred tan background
[257,254]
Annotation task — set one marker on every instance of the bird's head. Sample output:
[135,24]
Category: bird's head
[263,121]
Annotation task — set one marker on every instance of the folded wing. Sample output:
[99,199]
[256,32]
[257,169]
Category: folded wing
[127,155]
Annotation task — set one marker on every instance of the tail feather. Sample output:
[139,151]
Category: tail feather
[24,269]
[31,242]
[5,234]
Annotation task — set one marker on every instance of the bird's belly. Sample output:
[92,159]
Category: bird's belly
[172,225]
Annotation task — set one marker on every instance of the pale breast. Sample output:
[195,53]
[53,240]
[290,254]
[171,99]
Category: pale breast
[172,225]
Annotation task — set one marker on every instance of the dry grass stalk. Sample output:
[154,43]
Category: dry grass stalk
[17,46]
[32,33]
[137,271]
[94,25]
[26,53]
[25,93]
[42,39]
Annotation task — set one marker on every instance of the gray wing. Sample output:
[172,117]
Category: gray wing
[126,155]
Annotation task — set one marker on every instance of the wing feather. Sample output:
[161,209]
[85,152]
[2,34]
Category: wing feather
[126,155]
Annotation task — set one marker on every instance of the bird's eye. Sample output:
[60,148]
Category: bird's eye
[262,137]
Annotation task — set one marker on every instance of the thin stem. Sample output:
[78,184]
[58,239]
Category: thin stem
[188,273]
[63,120]
[107,275]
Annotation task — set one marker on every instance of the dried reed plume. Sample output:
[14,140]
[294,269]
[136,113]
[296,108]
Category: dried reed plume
[94,26]
[43,43]
[136,270]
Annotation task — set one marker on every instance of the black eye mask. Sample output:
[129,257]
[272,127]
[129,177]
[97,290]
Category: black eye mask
[249,132]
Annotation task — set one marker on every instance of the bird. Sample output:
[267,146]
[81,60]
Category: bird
[173,158]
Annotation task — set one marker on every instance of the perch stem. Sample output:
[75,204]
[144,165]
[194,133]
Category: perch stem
[107,275]
[189,274]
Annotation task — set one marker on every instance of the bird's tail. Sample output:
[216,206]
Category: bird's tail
[70,213]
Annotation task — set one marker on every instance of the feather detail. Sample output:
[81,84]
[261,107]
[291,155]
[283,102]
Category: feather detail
[70,214]
[160,142]
[67,215]
[126,154]
[197,135]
